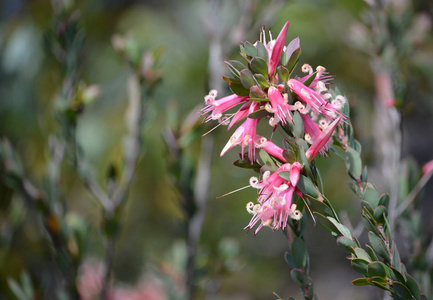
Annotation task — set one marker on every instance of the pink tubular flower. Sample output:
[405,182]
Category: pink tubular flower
[322,139]
[314,99]
[241,114]
[280,107]
[274,150]
[427,168]
[245,135]
[277,50]
[275,198]
[218,107]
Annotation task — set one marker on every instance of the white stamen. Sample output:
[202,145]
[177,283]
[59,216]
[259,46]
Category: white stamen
[321,87]
[213,93]
[266,176]
[269,108]
[281,188]
[307,138]
[255,183]
[306,68]
[323,124]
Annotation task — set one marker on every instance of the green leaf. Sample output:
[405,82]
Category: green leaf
[346,244]
[370,252]
[247,79]
[289,155]
[360,282]
[343,229]
[310,79]
[371,195]
[367,207]
[378,246]
[361,253]
[266,158]
[396,256]
[319,206]
[285,175]
[360,265]
[256,92]
[259,65]
[306,186]
[239,89]
[412,285]
[289,260]
[401,290]
[353,163]
[396,275]
[299,278]
[293,60]
[384,200]
[298,123]
[261,80]
[377,268]
[261,51]
[250,50]
[299,252]
[380,282]
[246,164]
[379,212]
[283,73]
[258,114]
[325,222]
[231,80]
[235,67]
[368,223]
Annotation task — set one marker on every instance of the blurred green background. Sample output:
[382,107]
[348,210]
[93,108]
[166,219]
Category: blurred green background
[232,263]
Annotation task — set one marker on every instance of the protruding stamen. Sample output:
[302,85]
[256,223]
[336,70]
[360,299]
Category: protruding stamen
[255,183]
[323,124]
[250,207]
[281,188]
[269,108]
[307,138]
[320,87]
[306,68]
[294,213]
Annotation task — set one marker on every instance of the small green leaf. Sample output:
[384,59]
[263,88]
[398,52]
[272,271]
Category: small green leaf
[360,282]
[401,290]
[371,195]
[299,278]
[250,50]
[353,163]
[231,80]
[361,253]
[258,114]
[235,67]
[379,212]
[396,275]
[261,80]
[289,260]
[247,79]
[259,65]
[285,175]
[239,89]
[262,52]
[298,123]
[319,206]
[299,252]
[378,246]
[377,268]
[283,73]
[256,92]
[325,222]
[343,229]
[289,155]
[360,265]
[412,285]
[370,252]
[246,164]
[293,60]
[306,186]
[384,200]
[346,244]
[367,207]
[310,79]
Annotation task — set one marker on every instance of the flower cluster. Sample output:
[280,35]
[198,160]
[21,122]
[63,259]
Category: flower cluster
[304,107]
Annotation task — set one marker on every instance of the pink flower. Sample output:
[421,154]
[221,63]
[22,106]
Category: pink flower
[275,198]
[245,135]
[322,139]
[277,50]
[427,168]
[274,150]
[218,107]
[314,99]
[280,107]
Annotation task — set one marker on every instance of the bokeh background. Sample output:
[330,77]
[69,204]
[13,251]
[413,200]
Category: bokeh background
[231,263]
